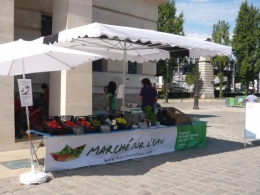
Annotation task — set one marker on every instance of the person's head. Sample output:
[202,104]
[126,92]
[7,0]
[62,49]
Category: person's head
[253,91]
[45,87]
[105,89]
[111,88]
[146,82]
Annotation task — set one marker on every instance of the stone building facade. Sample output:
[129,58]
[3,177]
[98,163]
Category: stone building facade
[71,92]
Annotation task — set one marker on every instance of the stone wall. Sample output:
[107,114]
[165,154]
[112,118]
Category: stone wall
[100,101]
[206,88]
[6,83]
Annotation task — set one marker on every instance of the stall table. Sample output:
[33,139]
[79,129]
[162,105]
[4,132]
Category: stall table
[73,151]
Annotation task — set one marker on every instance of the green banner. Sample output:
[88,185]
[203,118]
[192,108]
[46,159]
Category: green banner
[190,136]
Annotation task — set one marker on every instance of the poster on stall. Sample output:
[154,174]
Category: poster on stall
[252,123]
[120,91]
[77,151]
[25,91]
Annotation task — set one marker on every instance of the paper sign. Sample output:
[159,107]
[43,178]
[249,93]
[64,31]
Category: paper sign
[120,91]
[25,91]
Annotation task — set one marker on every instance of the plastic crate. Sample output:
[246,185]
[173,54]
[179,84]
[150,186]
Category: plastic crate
[51,130]
[63,119]
[90,129]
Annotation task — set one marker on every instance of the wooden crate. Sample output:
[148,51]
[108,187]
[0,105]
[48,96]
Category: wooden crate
[179,117]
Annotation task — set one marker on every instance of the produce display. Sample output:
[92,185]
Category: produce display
[121,120]
[70,124]
[96,122]
[53,124]
[150,114]
[85,123]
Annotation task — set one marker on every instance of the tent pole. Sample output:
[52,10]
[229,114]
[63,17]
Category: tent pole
[29,132]
[124,76]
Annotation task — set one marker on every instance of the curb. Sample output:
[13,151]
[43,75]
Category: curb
[191,100]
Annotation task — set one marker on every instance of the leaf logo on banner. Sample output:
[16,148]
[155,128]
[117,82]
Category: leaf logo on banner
[68,153]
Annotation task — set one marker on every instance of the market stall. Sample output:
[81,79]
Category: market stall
[73,151]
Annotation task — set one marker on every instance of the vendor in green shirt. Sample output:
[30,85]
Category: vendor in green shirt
[111,98]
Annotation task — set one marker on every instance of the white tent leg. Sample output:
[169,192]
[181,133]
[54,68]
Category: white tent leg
[245,138]
[32,177]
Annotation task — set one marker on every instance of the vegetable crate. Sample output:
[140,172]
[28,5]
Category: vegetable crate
[88,126]
[179,117]
[122,122]
[52,125]
[97,121]
[68,123]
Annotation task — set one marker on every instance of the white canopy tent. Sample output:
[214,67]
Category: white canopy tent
[133,44]
[23,57]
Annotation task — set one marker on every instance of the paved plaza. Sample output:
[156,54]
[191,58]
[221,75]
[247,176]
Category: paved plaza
[224,166]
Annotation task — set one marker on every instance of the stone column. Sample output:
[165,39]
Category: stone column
[71,91]
[7,83]
[206,88]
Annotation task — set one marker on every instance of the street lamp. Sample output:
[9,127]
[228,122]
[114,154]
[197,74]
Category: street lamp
[196,95]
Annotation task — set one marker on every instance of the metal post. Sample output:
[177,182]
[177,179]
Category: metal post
[233,81]
[124,72]
[166,88]
[196,95]
[258,83]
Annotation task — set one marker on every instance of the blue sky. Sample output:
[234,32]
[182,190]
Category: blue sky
[201,15]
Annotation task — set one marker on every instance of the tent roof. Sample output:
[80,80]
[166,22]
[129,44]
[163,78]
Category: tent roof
[141,45]
[152,38]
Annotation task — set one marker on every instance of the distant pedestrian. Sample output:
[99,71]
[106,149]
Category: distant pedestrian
[250,98]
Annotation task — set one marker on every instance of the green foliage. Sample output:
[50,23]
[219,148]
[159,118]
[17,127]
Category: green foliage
[170,23]
[246,42]
[166,68]
[150,114]
[190,78]
[220,35]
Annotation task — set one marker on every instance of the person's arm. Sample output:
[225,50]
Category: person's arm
[156,99]
[141,95]
[243,101]
[141,99]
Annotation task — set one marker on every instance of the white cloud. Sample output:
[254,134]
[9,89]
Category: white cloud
[198,35]
[201,15]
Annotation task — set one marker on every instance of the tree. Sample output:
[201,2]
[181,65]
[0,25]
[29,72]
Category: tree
[245,44]
[220,35]
[190,78]
[170,23]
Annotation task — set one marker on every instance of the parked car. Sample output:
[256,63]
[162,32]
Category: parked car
[177,90]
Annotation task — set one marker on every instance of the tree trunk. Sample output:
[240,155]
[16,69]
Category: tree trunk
[247,86]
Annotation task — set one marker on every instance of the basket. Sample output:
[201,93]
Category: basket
[51,130]
[87,128]
[179,117]
[63,120]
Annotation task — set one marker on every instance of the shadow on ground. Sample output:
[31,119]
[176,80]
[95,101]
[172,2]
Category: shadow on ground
[144,165]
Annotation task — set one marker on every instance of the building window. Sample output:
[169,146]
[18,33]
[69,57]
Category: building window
[97,65]
[132,67]
[46,25]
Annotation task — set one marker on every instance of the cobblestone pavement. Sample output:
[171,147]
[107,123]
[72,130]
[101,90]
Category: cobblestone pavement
[224,166]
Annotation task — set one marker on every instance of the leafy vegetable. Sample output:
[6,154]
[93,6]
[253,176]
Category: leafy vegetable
[150,114]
